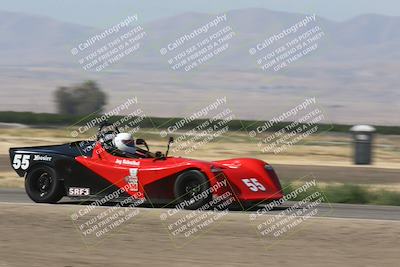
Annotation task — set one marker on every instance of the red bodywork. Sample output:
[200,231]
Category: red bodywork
[156,177]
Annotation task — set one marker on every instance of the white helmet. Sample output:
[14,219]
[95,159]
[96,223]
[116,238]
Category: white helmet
[125,142]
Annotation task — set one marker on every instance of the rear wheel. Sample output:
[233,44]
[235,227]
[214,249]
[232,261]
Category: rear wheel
[42,185]
[191,190]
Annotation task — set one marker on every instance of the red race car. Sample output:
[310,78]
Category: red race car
[96,170]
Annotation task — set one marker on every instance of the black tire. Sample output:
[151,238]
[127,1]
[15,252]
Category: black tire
[190,184]
[42,185]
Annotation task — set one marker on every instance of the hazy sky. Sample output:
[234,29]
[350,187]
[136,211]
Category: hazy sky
[101,13]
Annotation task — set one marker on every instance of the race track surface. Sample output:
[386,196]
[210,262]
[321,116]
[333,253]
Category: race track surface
[339,174]
[18,196]
[338,235]
[45,235]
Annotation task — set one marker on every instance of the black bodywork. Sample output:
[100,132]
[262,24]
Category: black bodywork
[62,159]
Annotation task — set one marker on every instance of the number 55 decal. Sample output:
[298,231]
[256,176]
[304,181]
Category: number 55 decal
[21,161]
[253,184]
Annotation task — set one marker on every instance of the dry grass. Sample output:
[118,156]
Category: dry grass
[323,149]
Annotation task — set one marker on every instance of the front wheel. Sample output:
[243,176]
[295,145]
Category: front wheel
[192,190]
[42,185]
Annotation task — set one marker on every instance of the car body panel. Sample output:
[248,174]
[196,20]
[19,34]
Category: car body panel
[89,165]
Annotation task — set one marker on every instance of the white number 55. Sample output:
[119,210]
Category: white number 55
[253,184]
[21,161]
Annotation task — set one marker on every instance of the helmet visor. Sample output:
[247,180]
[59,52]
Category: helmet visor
[129,142]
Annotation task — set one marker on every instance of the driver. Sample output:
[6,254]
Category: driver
[125,143]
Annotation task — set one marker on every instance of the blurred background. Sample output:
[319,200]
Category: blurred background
[309,86]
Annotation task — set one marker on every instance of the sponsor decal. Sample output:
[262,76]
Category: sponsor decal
[42,158]
[127,162]
[132,180]
[78,191]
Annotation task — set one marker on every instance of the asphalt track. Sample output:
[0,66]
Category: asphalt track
[339,174]
[46,235]
[36,235]
[374,212]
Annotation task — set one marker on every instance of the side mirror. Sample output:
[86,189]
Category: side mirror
[159,155]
